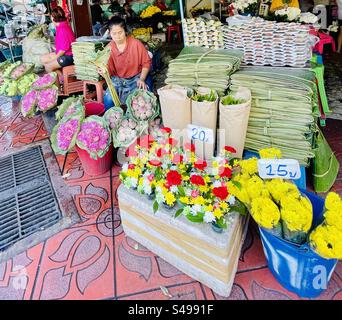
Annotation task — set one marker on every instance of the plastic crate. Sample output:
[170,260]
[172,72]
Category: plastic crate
[17,53]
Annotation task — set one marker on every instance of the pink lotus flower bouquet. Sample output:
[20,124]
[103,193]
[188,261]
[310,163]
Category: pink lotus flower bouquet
[46,81]
[47,99]
[28,103]
[70,106]
[64,134]
[142,105]
[127,132]
[94,136]
[114,117]
[21,70]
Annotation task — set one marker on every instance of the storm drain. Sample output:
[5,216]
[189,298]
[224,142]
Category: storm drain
[27,200]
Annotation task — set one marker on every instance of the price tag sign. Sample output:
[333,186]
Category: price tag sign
[279,168]
[201,134]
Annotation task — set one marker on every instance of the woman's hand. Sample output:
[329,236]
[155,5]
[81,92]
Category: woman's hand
[141,84]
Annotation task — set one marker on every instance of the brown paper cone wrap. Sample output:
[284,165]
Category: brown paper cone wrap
[204,114]
[234,122]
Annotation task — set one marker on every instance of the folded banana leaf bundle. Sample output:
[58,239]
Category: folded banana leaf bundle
[284,110]
[83,56]
[201,67]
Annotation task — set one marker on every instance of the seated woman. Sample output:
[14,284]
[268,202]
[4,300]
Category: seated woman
[128,64]
[64,38]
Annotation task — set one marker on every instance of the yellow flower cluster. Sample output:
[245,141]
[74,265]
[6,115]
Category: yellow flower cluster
[296,213]
[333,213]
[169,12]
[270,153]
[265,212]
[142,31]
[327,241]
[249,166]
[149,12]
[278,188]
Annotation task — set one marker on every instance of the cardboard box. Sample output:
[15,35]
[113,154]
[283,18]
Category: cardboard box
[203,254]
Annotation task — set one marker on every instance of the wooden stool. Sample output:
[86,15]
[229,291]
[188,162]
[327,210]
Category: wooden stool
[170,29]
[70,83]
[98,94]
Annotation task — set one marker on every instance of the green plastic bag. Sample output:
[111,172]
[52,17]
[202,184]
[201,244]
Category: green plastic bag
[325,165]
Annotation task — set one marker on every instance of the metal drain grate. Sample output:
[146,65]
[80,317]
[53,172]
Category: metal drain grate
[27,201]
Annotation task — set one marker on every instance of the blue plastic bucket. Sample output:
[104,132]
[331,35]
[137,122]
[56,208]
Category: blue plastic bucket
[298,268]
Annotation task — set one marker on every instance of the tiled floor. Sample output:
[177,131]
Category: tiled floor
[94,259]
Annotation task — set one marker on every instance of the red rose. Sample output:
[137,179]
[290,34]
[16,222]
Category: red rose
[166,130]
[189,147]
[131,166]
[159,152]
[172,142]
[173,178]
[227,173]
[220,192]
[200,165]
[155,163]
[145,141]
[197,180]
[230,149]
[177,158]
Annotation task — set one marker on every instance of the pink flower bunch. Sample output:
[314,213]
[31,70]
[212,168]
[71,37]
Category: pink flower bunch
[113,118]
[72,109]
[43,81]
[47,98]
[127,130]
[93,136]
[142,107]
[17,72]
[65,133]
[28,101]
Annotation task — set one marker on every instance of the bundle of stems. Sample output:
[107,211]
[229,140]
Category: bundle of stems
[101,62]
[284,109]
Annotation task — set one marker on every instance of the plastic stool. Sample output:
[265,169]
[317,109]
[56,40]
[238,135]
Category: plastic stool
[71,84]
[324,39]
[170,29]
[88,96]
[319,72]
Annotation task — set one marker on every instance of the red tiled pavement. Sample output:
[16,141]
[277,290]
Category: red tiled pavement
[91,261]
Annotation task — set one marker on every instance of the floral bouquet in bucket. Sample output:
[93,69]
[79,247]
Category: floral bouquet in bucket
[28,103]
[45,81]
[70,106]
[114,116]
[47,99]
[142,105]
[127,132]
[64,134]
[94,137]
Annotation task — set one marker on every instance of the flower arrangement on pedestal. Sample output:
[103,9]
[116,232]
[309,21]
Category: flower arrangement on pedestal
[245,6]
[176,179]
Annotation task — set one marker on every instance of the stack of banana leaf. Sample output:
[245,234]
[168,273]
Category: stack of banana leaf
[83,56]
[284,110]
[196,66]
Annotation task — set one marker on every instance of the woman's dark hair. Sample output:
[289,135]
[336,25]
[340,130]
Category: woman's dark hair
[117,21]
[58,15]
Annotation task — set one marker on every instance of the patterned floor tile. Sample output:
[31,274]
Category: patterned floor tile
[93,200]
[138,269]
[191,291]
[261,285]
[252,255]
[17,275]
[77,264]
[41,134]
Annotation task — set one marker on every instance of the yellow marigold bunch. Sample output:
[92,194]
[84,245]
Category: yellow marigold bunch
[334,218]
[296,213]
[333,202]
[170,199]
[255,188]
[327,241]
[249,166]
[240,193]
[149,12]
[270,153]
[265,212]
[278,188]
